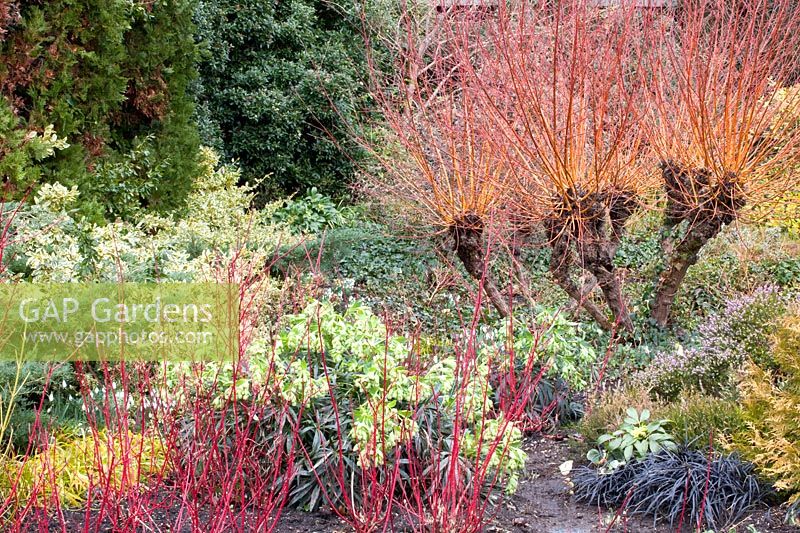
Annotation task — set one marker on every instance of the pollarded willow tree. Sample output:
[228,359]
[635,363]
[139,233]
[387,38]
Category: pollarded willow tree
[720,120]
[556,116]
[522,116]
[560,81]
[445,178]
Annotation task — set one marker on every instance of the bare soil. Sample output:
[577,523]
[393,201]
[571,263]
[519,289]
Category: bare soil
[543,502]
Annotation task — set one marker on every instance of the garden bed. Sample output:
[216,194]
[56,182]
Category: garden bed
[542,504]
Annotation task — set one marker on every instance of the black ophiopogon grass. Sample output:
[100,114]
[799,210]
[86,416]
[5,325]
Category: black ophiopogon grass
[686,488]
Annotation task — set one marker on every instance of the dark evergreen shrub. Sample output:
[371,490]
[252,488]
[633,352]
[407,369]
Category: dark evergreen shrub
[280,83]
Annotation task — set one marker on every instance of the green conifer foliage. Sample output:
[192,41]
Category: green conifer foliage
[107,74]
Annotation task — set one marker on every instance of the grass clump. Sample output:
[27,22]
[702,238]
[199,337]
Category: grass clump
[685,488]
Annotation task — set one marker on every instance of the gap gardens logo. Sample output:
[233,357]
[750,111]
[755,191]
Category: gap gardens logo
[110,321]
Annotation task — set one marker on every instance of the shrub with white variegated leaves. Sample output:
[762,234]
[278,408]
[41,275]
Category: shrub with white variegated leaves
[50,243]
